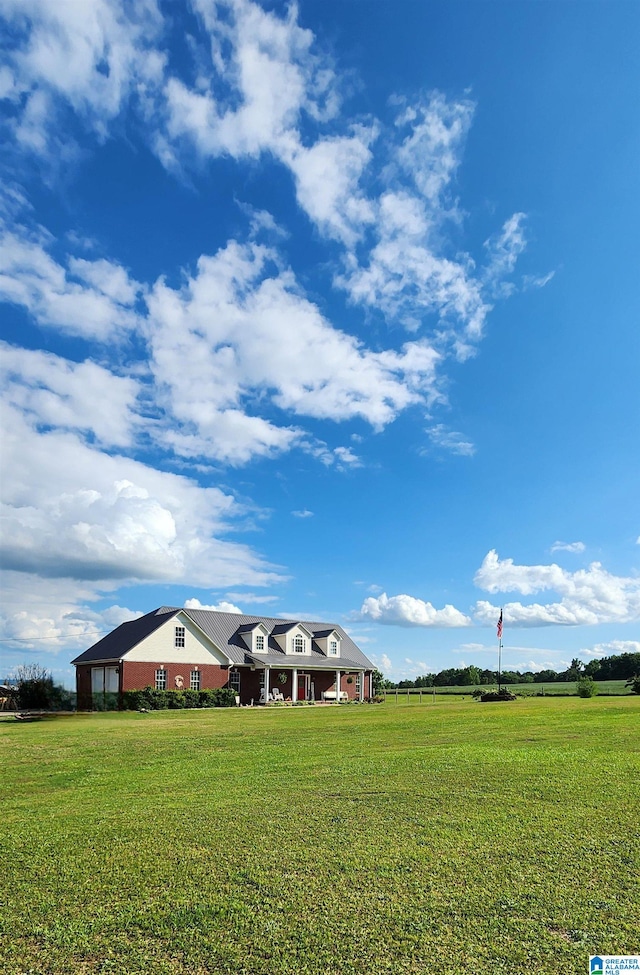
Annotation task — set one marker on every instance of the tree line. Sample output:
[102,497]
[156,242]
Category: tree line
[621,666]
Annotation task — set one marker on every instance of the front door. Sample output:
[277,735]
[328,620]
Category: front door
[303,687]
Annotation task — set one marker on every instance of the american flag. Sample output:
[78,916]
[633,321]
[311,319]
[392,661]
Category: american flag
[500,626]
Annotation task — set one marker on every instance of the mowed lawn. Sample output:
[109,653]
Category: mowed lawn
[454,838]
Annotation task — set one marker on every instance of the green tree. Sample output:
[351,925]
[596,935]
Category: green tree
[545,676]
[379,682]
[634,684]
[574,671]
[36,690]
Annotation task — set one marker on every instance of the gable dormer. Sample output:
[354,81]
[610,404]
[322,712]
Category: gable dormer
[260,639]
[329,642]
[294,639]
[255,637]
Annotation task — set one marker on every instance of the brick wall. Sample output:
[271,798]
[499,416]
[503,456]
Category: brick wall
[83,687]
[139,674]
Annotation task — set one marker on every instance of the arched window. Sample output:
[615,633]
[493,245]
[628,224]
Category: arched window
[298,644]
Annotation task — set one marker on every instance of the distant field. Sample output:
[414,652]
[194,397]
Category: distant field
[561,688]
[457,838]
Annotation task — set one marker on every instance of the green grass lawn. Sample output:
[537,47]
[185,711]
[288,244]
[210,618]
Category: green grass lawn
[562,688]
[458,838]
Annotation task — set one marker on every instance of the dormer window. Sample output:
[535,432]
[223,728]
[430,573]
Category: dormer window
[333,648]
[180,632]
[259,643]
[298,644]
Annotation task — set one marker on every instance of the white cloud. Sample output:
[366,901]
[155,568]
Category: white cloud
[89,57]
[305,513]
[222,607]
[406,610]
[450,440]
[612,648]
[589,596]
[384,663]
[271,76]
[244,333]
[327,178]
[576,547]
[250,597]
[54,392]
[52,615]
[99,304]
[119,519]
[537,280]
[504,249]
[430,152]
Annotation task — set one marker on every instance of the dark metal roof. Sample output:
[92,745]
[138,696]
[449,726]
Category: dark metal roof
[283,627]
[225,631]
[222,628]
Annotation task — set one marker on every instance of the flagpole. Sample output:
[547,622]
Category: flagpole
[500,652]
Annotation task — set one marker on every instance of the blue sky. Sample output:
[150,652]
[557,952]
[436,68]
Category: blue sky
[327,312]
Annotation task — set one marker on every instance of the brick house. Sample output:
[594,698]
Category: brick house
[261,658]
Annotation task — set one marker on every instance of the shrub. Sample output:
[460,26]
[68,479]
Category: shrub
[226,698]
[587,687]
[36,690]
[501,695]
[150,699]
[133,701]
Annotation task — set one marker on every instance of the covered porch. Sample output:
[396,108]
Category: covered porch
[276,684]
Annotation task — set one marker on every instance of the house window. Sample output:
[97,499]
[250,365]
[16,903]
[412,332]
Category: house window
[179,636]
[161,680]
[234,681]
[333,648]
[298,644]
[194,682]
[358,683]
[260,643]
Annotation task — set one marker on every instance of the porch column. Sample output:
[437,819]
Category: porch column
[337,686]
[294,685]
[266,684]
[362,676]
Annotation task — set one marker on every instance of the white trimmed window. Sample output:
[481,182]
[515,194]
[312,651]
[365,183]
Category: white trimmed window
[179,636]
[161,680]
[358,683]
[194,681]
[298,644]
[333,648]
[234,681]
[260,642]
